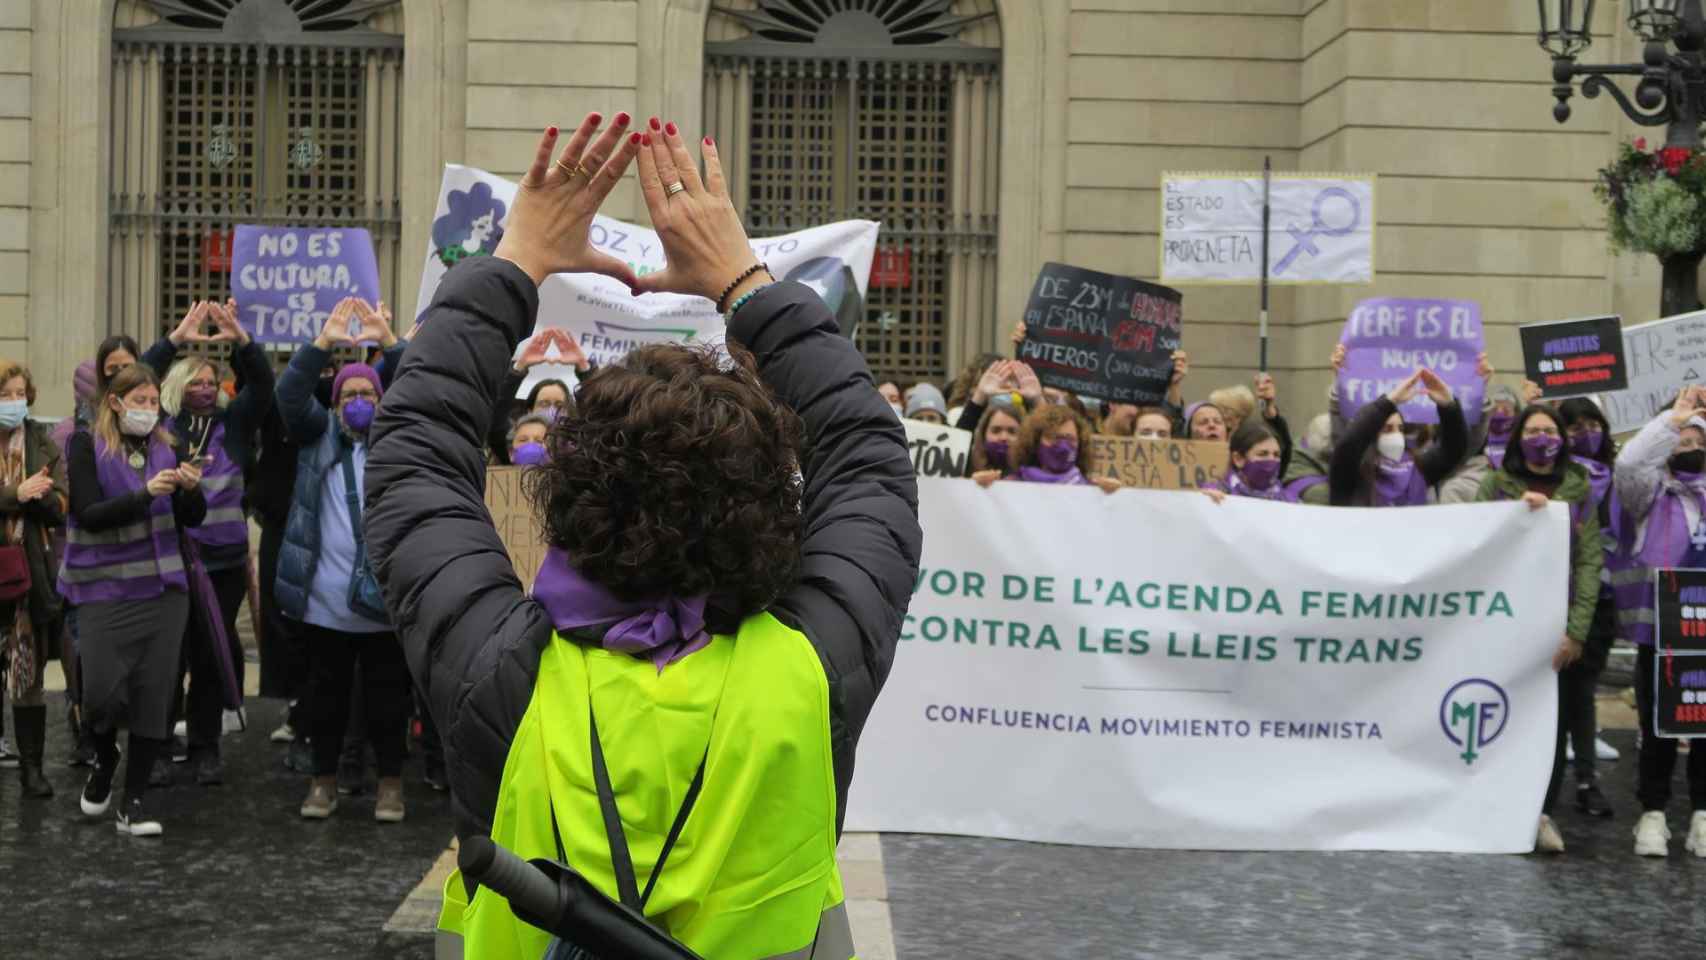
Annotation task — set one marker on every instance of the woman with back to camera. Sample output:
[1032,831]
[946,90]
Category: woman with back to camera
[1372,465]
[1537,470]
[718,564]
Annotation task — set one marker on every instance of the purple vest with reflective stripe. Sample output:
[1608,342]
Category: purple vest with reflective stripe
[222,485]
[138,561]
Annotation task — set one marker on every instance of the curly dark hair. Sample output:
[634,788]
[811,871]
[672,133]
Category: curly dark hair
[1040,422]
[677,475]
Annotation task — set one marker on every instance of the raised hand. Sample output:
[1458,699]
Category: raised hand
[536,351]
[1338,358]
[1030,388]
[189,329]
[702,236]
[1018,335]
[1530,392]
[569,350]
[1404,391]
[225,319]
[1268,393]
[994,380]
[550,223]
[35,486]
[376,325]
[1438,390]
[1687,405]
[1484,368]
[1181,367]
[335,331]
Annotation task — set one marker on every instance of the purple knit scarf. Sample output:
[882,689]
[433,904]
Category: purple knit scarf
[1398,483]
[1071,477]
[662,631]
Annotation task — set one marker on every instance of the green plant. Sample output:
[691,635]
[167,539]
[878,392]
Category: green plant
[1654,201]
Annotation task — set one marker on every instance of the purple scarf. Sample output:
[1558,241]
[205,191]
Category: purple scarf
[1072,477]
[1399,483]
[1668,536]
[1599,477]
[663,631]
[1235,485]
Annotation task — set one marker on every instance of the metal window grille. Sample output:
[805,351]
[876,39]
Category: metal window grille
[287,117]
[872,109]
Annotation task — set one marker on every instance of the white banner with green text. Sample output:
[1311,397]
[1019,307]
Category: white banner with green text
[1149,669]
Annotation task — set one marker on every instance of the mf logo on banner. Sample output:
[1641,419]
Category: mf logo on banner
[1473,714]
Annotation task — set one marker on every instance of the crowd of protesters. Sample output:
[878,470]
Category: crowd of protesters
[128,550]
[1631,510]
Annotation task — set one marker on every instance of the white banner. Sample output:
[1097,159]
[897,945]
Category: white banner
[1663,356]
[1148,669]
[604,317]
[1322,228]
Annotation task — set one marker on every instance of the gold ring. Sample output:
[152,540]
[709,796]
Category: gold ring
[675,188]
[572,172]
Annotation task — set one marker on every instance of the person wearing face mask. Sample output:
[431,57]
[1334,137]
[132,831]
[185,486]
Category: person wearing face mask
[1592,447]
[1660,480]
[33,499]
[527,441]
[992,444]
[133,492]
[549,397]
[1537,470]
[1258,460]
[889,390]
[1053,447]
[1489,442]
[221,433]
[926,405]
[1006,383]
[324,580]
[1372,466]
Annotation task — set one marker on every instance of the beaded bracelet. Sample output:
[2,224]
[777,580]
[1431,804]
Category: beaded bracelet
[749,271]
[741,302]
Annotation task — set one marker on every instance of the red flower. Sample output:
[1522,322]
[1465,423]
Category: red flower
[1674,158]
[1641,143]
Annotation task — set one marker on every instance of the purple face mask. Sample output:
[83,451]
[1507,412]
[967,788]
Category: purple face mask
[1587,444]
[529,455]
[1500,424]
[358,414]
[1541,450]
[1260,474]
[200,399]
[1058,456]
[996,451]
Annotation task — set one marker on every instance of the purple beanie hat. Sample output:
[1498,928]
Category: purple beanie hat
[352,371]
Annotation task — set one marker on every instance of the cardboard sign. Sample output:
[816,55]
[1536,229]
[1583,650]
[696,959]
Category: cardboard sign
[1389,338]
[1321,231]
[1158,464]
[938,451]
[1570,358]
[1663,357]
[512,514]
[1103,336]
[286,280]
[1679,694]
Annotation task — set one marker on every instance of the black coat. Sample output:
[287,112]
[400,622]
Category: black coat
[472,637]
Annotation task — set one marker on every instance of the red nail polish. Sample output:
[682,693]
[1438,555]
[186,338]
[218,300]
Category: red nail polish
[656,125]
[646,139]
[709,142]
[551,131]
[623,118]
[670,129]
[634,139]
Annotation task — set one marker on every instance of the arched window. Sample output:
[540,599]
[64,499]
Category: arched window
[245,111]
[877,109]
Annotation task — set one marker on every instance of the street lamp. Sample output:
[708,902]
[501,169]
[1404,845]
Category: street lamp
[1670,91]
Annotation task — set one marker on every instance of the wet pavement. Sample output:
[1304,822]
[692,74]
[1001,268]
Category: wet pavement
[239,874]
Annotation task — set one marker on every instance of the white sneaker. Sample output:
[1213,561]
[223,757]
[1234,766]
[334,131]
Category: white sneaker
[236,721]
[1605,751]
[181,729]
[134,821]
[8,756]
[1652,835]
[1696,842]
[1548,839]
[283,733]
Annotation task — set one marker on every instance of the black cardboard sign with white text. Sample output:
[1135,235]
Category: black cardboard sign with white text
[1100,335]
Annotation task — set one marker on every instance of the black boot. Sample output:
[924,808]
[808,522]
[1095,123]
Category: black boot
[29,724]
[1592,802]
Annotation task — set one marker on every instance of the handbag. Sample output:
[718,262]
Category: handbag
[14,574]
[365,597]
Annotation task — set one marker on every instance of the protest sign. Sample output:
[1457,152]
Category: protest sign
[938,451]
[1679,693]
[1570,358]
[1158,464]
[1102,336]
[512,514]
[1132,669]
[286,280]
[1389,338]
[1322,228]
[604,317]
[1662,358]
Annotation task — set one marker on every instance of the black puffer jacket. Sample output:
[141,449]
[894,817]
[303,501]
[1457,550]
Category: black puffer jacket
[474,640]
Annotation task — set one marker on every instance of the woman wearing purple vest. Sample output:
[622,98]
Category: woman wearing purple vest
[1372,465]
[1660,478]
[132,490]
[222,431]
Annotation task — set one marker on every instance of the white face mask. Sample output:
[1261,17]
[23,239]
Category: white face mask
[899,412]
[139,423]
[1391,445]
